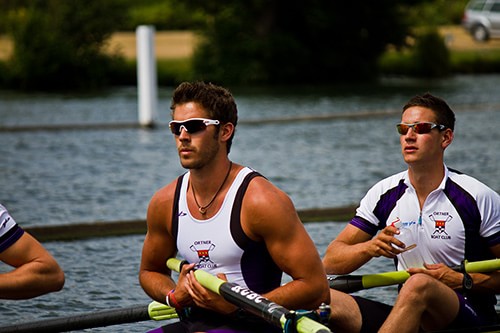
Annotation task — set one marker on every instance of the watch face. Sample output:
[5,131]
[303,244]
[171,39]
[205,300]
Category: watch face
[467,282]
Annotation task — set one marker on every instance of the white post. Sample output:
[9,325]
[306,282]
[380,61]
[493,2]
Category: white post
[146,75]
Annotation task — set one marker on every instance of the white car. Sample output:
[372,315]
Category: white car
[482,19]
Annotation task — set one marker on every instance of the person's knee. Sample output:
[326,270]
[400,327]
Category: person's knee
[417,287]
[345,313]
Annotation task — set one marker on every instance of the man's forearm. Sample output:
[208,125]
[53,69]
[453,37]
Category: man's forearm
[31,280]
[156,285]
[344,259]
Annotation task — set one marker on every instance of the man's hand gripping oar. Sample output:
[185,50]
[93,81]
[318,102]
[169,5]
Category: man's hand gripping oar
[252,302]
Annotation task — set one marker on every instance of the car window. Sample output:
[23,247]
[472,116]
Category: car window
[476,5]
[496,7]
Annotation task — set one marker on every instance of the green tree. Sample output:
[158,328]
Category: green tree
[163,14]
[430,55]
[437,12]
[58,43]
[291,41]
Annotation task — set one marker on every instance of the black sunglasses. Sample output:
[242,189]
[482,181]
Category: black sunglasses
[419,128]
[192,125]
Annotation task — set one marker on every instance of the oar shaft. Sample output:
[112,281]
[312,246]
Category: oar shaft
[353,283]
[384,279]
[253,303]
[83,321]
[155,311]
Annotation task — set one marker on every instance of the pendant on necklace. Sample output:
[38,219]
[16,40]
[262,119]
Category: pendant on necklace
[202,210]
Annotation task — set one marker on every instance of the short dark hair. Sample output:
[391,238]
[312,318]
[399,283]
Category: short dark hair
[444,114]
[216,100]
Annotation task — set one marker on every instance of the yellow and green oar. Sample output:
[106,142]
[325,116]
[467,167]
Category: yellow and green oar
[353,283]
[250,301]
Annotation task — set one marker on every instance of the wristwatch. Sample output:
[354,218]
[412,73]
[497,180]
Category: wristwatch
[467,282]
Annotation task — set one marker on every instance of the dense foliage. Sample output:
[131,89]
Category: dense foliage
[176,15]
[58,44]
[291,41]
[163,14]
[431,56]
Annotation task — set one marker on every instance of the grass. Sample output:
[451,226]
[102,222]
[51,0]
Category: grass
[174,71]
[461,61]
[474,62]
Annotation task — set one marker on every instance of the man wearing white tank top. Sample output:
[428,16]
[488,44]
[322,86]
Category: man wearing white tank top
[226,219]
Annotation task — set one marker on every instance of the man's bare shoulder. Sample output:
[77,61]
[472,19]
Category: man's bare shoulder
[160,206]
[262,193]
[165,193]
[265,206]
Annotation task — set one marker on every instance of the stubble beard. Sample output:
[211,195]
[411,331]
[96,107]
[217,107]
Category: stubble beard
[201,159]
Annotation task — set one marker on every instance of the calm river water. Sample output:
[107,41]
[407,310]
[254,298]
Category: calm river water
[330,145]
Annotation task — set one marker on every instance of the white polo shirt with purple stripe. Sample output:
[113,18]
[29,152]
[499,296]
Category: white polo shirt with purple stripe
[459,220]
[10,232]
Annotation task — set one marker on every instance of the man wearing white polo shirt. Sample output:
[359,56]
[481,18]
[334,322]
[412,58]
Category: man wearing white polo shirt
[426,218]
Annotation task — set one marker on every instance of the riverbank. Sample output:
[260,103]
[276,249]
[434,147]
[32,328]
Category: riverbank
[168,45]
[174,51]
[181,44]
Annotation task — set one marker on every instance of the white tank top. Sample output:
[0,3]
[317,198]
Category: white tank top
[219,245]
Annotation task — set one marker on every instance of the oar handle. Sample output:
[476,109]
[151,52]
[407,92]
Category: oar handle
[208,280]
[159,311]
[482,266]
[250,301]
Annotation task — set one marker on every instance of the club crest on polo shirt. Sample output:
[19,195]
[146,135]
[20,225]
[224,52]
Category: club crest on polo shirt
[203,248]
[440,219]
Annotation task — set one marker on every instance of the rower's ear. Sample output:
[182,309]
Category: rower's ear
[226,131]
[447,138]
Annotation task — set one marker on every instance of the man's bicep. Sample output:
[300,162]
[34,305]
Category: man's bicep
[157,248]
[289,243]
[24,250]
[351,235]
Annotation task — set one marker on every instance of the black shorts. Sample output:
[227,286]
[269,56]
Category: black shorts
[201,320]
[474,312]
[373,314]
